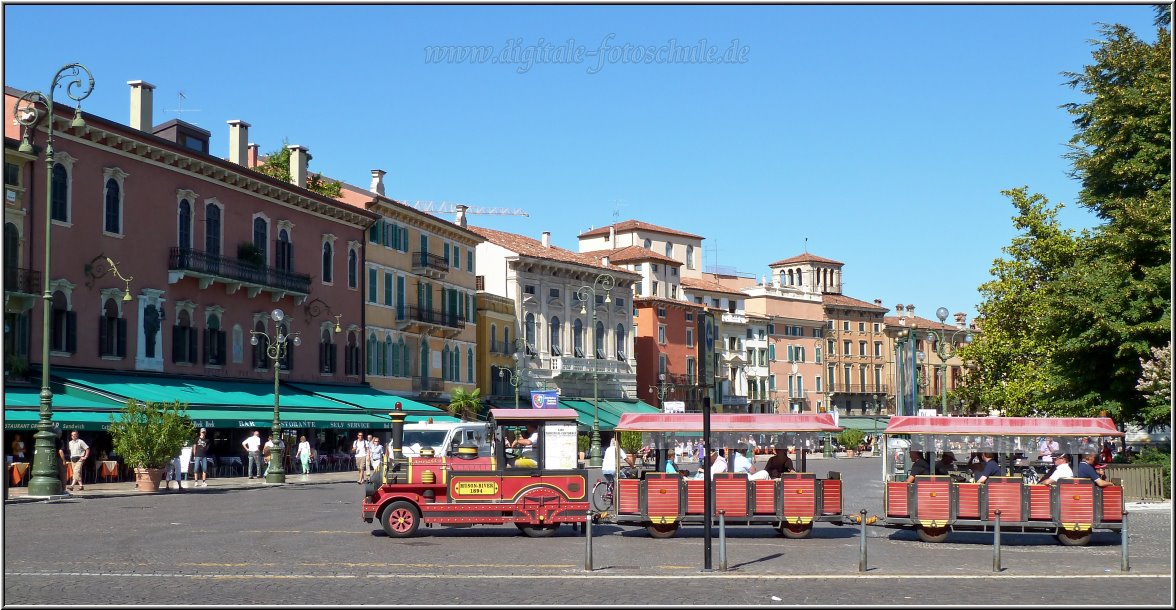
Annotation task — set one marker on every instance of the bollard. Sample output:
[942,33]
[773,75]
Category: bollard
[996,544]
[862,548]
[588,542]
[1125,563]
[723,540]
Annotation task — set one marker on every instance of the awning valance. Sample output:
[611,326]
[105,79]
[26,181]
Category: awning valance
[1004,426]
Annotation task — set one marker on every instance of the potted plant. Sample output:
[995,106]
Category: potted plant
[148,436]
[850,438]
[249,252]
[18,367]
[465,405]
[583,441]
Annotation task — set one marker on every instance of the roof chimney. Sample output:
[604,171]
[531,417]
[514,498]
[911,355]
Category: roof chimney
[461,215]
[612,234]
[898,308]
[547,239]
[377,181]
[141,101]
[239,142]
[252,156]
[877,301]
[298,158]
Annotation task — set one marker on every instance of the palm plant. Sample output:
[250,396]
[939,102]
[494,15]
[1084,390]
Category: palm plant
[465,405]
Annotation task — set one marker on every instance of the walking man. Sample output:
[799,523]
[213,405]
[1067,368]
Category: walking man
[200,455]
[253,446]
[78,452]
[359,447]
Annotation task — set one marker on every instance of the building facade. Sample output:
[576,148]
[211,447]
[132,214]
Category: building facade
[667,345]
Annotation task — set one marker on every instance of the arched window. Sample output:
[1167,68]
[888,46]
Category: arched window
[554,332]
[287,361]
[327,260]
[326,352]
[404,370]
[648,244]
[112,332]
[261,237]
[260,355]
[351,358]
[669,249]
[113,216]
[494,347]
[578,338]
[212,228]
[59,199]
[185,225]
[445,363]
[64,338]
[506,341]
[352,268]
[283,253]
[529,329]
[393,351]
[469,365]
[184,339]
[689,257]
[621,342]
[600,340]
[371,354]
[424,359]
[214,342]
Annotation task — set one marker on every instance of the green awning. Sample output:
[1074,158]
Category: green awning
[869,425]
[365,397]
[25,419]
[64,397]
[261,418]
[202,392]
[608,411]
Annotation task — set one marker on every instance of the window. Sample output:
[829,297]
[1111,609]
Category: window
[689,317]
[600,340]
[653,267]
[846,348]
[457,258]
[112,222]
[638,266]
[469,365]
[674,271]
[112,332]
[529,330]
[861,327]
[862,348]
[553,329]
[528,289]
[470,261]
[261,236]
[845,326]
[661,311]
[400,305]
[212,228]
[690,378]
[817,355]
[877,378]
[673,291]
[59,189]
[877,327]
[750,334]
[214,341]
[352,268]
[621,341]
[328,262]
[772,352]
[184,239]
[184,339]
[578,338]
[620,303]
[689,257]
[653,290]
[689,337]
[661,364]
[287,361]
[648,244]
[445,252]
[388,288]
[661,334]
[819,390]
[800,353]
[284,251]
[351,354]
[371,354]
[373,286]
[553,293]
[791,353]
[669,250]
[698,300]
[877,349]
[715,303]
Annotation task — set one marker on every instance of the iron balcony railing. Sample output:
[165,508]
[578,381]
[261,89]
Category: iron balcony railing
[26,281]
[857,388]
[432,316]
[426,384]
[424,260]
[198,261]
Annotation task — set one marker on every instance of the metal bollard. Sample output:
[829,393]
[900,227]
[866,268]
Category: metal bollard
[862,548]
[588,542]
[723,540]
[1125,563]
[996,545]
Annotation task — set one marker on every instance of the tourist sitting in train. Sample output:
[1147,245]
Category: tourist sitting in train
[1061,468]
[1087,470]
[780,462]
[718,465]
[988,468]
[919,466]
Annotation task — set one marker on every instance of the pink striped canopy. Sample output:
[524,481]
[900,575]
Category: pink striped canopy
[532,414]
[1004,426]
[728,422]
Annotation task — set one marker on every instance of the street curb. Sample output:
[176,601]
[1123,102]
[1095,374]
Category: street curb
[132,492]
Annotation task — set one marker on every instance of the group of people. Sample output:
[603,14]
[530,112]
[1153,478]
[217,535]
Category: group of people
[986,466]
[777,464]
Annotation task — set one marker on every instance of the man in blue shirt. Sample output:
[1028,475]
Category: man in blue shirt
[989,469]
[1086,469]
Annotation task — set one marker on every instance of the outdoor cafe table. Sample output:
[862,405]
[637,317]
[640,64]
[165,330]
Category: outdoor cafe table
[17,472]
[105,469]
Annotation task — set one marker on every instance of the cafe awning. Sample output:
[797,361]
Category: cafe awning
[366,397]
[608,411]
[26,419]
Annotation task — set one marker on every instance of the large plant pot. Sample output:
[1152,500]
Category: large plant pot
[147,479]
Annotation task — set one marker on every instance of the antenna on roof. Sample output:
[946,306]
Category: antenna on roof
[617,205]
[806,245]
[179,109]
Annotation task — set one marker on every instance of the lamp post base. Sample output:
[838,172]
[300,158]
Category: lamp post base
[594,454]
[276,474]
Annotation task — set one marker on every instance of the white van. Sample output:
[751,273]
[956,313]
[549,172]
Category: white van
[445,437]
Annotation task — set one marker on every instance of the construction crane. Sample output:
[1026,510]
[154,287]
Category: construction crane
[446,207]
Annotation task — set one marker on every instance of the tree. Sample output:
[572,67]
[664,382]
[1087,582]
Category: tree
[465,405]
[1156,386]
[277,165]
[149,435]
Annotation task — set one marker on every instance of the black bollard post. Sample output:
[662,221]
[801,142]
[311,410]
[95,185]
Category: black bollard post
[588,542]
[996,545]
[723,540]
[1125,563]
[862,547]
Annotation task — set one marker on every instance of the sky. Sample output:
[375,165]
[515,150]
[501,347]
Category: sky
[878,136]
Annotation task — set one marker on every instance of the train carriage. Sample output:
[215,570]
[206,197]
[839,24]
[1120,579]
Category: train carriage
[662,501]
[937,504]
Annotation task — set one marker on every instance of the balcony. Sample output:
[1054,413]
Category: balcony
[432,322]
[857,388]
[564,365]
[429,265]
[20,288]
[235,273]
[427,385]
[734,401]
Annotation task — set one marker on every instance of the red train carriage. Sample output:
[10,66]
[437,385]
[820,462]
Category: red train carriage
[663,501]
[936,504]
[537,487]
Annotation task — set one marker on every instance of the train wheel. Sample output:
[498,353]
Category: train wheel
[662,530]
[538,531]
[400,519]
[932,534]
[1074,537]
[796,531]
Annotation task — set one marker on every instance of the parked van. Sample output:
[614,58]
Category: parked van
[445,437]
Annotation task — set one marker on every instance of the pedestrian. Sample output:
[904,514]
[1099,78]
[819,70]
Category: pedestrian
[359,448]
[78,452]
[252,446]
[59,447]
[304,455]
[18,448]
[175,470]
[200,457]
[268,452]
[376,456]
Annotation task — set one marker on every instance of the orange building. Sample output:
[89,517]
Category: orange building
[666,344]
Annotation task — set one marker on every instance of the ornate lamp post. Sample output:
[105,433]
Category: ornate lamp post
[604,282]
[661,389]
[512,377]
[276,348]
[29,110]
[947,349]
[906,363]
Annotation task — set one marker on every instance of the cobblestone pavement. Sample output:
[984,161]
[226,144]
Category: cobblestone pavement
[306,544]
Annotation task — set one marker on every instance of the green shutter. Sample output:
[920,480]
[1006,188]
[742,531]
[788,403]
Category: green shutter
[387,288]
[372,288]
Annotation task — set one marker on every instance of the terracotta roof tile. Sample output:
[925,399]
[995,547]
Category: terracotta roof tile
[688,283]
[653,300]
[841,300]
[634,253]
[924,323]
[805,258]
[636,225]
[533,248]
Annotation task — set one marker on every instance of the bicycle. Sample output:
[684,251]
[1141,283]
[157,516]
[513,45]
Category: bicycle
[602,490]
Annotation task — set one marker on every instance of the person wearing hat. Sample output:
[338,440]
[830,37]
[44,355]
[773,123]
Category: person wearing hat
[919,466]
[779,463]
[945,464]
[1061,469]
[200,460]
[1087,470]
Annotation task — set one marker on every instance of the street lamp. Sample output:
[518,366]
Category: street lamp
[512,377]
[946,349]
[832,338]
[28,112]
[661,389]
[603,282]
[906,362]
[276,350]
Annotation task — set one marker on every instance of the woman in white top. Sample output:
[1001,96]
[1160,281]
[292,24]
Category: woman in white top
[376,452]
[304,455]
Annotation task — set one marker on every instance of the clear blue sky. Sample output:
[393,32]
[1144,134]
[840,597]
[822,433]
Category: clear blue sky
[883,134]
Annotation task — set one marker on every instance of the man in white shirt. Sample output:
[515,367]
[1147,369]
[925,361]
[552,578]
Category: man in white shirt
[742,464]
[718,465]
[359,447]
[78,452]
[252,446]
[608,464]
[1062,468]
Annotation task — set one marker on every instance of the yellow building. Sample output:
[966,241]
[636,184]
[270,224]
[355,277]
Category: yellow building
[496,337]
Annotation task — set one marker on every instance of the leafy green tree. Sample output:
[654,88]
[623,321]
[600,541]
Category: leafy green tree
[277,165]
[465,405]
[149,435]
[1156,386]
